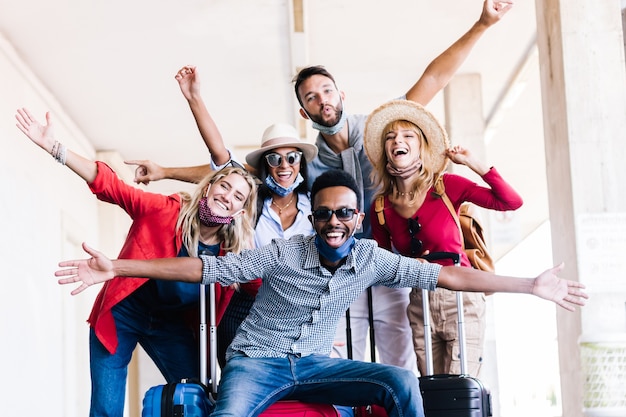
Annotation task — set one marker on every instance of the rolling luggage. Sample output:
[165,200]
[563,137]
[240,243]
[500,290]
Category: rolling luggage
[188,398]
[292,408]
[451,395]
[372,410]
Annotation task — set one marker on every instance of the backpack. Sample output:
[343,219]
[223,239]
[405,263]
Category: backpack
[467,221]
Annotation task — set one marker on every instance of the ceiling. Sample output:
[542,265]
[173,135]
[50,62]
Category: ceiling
[111,64]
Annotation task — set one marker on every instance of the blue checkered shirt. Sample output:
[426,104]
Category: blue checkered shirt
[300,302]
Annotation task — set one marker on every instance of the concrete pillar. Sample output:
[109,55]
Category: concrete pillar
[581,55]
[465,123]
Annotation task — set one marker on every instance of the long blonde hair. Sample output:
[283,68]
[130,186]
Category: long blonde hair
[236,236]
[384,182]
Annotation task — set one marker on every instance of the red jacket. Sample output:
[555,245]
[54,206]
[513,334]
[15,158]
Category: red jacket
[151,235]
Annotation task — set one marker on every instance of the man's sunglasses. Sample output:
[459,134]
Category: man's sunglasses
[343,214]
[275,159]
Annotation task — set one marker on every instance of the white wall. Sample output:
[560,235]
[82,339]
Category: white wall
[46,212]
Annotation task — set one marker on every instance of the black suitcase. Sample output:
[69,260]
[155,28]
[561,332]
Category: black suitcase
[451,395]
[365,410]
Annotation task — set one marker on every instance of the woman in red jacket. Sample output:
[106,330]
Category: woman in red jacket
[216,219]
[410,150]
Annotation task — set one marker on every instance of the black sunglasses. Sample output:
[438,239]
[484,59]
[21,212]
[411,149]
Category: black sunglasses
[343,214]
[275,159]
[414,228]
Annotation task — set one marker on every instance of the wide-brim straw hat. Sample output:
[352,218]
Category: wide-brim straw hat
[281,135]
[415,113]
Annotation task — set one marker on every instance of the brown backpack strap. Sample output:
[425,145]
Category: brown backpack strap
[379,207]
[441,190]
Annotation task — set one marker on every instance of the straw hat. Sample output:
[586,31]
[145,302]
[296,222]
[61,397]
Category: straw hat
[415,113]
[281,135]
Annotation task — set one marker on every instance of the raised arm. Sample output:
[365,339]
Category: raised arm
[147,171]
[99,269]
[189,82]
[441,70]
[462,156]
[548,285]
[43,136]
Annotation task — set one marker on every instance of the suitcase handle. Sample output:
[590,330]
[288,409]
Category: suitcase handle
[208,331]
[437,256]
[428,343]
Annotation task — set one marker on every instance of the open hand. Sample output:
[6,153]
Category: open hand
[88,272]
[41,135]
[563,292]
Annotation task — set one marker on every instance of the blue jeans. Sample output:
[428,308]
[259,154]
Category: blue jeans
[166,338]
[249,385]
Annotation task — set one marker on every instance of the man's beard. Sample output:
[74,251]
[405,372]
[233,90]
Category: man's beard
[332,122]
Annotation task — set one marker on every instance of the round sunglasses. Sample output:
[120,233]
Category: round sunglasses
[274,159]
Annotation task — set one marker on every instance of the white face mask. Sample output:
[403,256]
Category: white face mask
[331,130]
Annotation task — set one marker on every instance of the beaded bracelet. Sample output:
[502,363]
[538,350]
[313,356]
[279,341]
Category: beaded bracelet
[55,149]
[59,152]
[61,155]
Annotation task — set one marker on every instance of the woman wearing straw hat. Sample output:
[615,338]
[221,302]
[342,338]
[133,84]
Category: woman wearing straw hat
[409,150]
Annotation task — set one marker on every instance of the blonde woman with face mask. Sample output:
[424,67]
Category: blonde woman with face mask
[410,150]
[216,219]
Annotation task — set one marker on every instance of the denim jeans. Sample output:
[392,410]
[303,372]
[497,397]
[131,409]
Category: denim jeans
[166,338]
[249,385]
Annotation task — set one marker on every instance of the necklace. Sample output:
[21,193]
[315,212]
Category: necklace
[404,193]
[280,209]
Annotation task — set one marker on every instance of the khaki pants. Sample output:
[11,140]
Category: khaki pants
[444,330]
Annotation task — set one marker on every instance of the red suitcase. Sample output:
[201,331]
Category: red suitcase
[451,395]
[299,409]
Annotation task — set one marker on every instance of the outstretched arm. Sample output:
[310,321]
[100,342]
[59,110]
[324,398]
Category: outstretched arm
[441,70]
[548,285]
[100,269]
[43,136]
[147,171]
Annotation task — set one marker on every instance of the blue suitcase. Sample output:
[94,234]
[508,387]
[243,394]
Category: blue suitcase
[451,395]
[189,398]
[185,398]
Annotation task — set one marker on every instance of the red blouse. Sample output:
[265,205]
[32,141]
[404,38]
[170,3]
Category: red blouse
[439,232]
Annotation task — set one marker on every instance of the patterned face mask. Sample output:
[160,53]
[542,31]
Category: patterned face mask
[207,217]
